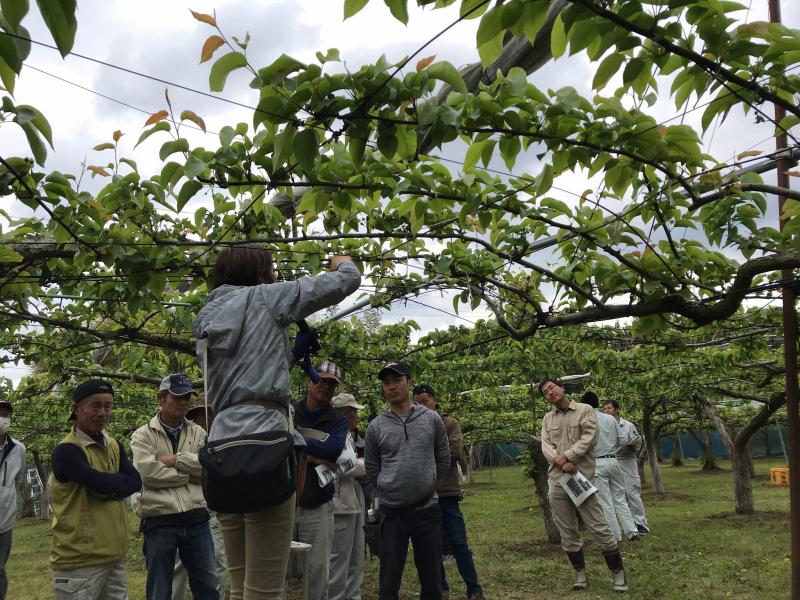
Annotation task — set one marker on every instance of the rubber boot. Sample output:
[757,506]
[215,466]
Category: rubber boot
[620,581]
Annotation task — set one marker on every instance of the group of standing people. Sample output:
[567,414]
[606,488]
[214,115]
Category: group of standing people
[407,460]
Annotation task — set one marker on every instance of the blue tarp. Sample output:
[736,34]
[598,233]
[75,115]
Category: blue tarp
[761,447]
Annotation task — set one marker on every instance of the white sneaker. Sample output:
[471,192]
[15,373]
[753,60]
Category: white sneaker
[620,581]
[581,580]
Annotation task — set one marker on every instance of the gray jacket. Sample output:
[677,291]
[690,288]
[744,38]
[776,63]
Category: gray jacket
[248,347]
[12,472]
[405,457]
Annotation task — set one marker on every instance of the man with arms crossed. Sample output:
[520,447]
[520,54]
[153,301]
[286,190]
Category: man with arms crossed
[627,456]
[91,476]
[569,433]
[406,451]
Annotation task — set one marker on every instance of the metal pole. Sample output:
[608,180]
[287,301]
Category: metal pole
[779,427]
[789,357]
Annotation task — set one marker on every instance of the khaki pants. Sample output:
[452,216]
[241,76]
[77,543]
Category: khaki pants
[347,557]
[315,526]
[98,582]
[257,547]
[567,523]
[633,489]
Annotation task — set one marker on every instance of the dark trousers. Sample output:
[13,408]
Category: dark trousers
[454,529]
[194,545]
[423,527]
[5,552]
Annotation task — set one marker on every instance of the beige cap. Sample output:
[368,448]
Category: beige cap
[342,400]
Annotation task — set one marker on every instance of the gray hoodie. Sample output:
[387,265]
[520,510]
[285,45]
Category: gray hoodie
[405,456]
[12,472]
[245,326]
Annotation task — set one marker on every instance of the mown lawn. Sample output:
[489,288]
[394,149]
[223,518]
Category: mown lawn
[698,549]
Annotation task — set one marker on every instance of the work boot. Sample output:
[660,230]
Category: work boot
[581,580]
[643,529]
[620,581]
[477,596]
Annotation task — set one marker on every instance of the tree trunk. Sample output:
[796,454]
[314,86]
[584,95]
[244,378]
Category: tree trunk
[709,458]
[767,447]
[677,450]
[539,470]
[739,448]
[642,472]
[750,464]
[652,448]
[44,510]
[742,479]
[470,468]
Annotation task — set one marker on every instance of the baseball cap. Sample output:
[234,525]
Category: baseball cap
[342,400]
[423,388]
[6,404]
[395,367]
[329,370]
[177,384]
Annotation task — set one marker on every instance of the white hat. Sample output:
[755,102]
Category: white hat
[342,400]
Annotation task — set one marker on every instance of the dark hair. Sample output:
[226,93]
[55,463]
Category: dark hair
[613,403]
[591,399]
[545,380]
[243,265]
[423,388]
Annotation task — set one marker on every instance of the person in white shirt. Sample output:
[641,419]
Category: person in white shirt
[12,470]
[608,476]
[627,457]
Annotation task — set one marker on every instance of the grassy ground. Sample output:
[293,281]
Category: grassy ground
[698,549]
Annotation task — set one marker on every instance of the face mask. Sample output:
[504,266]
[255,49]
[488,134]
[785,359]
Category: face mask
[5,424]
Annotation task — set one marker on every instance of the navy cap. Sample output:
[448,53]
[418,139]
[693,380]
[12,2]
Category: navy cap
[177,384]
[394,367]
[423,388]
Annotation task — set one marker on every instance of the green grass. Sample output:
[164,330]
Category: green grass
[698,549]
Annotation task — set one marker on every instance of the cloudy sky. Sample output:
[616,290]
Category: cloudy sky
[161,39]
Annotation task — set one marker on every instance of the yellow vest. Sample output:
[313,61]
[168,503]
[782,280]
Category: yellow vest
[87,530]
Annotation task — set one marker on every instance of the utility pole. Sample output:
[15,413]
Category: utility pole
[789,354]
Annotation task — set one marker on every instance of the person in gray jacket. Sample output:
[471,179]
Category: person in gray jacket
[12,470]
[406,451]
[247,384]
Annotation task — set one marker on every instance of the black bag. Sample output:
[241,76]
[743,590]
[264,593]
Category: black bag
[249,473]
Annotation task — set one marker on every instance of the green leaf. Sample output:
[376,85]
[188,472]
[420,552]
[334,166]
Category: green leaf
[558,38]
[399,9]
[59,16]
[351,7]
[279,69]
[7,255]
[306,149]
[509,148]
[607,69]
[534,17]
[35,142]
[545,180]
[491,26]
[7,76]
[179,145]
[14,11]
[14,50]
[189,189]
[446,72]
[356,142]
[194,166]
[475,8]
[387,142]
[473,154]
[39,121]
[160,126]
[406,142]
[491,50]
[223,67]
[283,145]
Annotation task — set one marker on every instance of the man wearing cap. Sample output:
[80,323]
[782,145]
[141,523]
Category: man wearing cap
[347,556]
[202,415]
[450,494]
[12,470]
[406,452]
[172,508]
[325,431]
[91,476]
